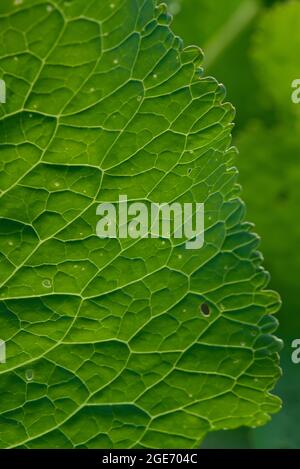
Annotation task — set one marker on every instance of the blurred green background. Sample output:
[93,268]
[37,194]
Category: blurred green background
[253,47]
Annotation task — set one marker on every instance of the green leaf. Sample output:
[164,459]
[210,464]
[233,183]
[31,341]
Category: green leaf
[282,432]
[279,183]
[107,344]
[225,34]
[204,22]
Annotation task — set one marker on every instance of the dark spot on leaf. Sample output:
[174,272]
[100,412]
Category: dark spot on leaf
[205,309]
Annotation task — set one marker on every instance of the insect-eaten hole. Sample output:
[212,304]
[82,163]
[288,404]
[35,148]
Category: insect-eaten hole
[205,309]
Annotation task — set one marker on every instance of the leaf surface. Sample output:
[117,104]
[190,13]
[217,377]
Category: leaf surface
[107,343]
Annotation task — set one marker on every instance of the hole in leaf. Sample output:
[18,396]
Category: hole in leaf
[29,375]
[205,309]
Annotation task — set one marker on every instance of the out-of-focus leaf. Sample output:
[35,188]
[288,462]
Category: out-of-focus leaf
[276,55]
[201,21]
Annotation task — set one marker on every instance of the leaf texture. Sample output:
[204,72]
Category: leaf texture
[107,342]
